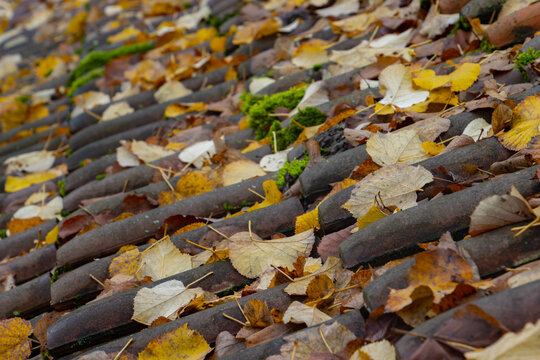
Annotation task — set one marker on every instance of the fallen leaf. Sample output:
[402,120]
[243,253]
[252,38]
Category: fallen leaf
[522,345]
[20,182]
[251,256]
[240,170]
[257,313]
[310,53]
[260,83]
[304,344]
[184,342]
[14,338]
[165,299]
[478,129]
[126,263]
[432,148]
[116,110]
[31,162]
[299,313]
[273,162]
[380,350]
[171,90]
[44,211]
[395,184]
[396,80]
[300,285]
[460,79]
[307,221]
[525,122]
[194,183]
[256,30]
[198,153]
[163,259]
[497,211]
[392,148]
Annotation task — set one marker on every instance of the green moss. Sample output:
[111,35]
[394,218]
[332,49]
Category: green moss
[16,313]
[23,98]
[309,116]
[97,59]
[316,67]
[462,23]
[229,208]
[94,74]
[294,169]
[61,187]
[64,213]
[259,107]
[100,176]
[525,59]
[3,233]
[486,46]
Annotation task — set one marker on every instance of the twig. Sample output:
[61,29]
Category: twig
[283,273]
[218,232]
[256,193]
[324,341]
[125,185]
[199,246]
[87,210]
[233,319]
[122,349]
[199,279]
[293,354]
[96,280]
[243,313]
[93,114]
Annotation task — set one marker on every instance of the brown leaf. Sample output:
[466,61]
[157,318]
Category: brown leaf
[257,313]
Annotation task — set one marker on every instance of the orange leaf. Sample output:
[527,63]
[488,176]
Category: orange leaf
[18,225]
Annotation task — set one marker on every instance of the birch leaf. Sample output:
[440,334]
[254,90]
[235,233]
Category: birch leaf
[392,148]
[163,260]
[251,255]
[397,81]
[395,184]
[164,300]
[299,313]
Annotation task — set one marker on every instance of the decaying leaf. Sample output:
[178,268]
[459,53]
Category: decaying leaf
[380,350]
[497,211]
[392,148]
[31,162]
[396,185]
[300,313]
[523,345]
[165,299]
[309,341]
[126,263]
[300,285]
[251,256]
[525,122]
[257,313]
[44,211]
[171,90]
[397,81]
[240,170]
[163,259]
[182,343]
[117,109]
[14,341]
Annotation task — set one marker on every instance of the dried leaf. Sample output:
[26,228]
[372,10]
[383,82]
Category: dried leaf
[525,122]
[299,313]
[251,256]
[307,221]
[164,300]
[188,344]
[163,259]
[392,148]
[240,170]
[126,263]
[397,81]
[31,162]
[395,184]
[301,284]
[14,341]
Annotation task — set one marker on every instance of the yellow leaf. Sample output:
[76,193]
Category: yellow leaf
[252,146]
[193,184]
[432,148]
[189,227]
[126,248]
[460,79]
[19,225]
[52,236]
[231,74]
[206,34]
[47,65]
[75,27]
[428,80]
[243,124]
[176,109]
[525,123]
[251,256]
[311,53]
[17,183]
[181,343]
[240,170]
[14,341]
[272,196]
[256,30]
[372,215]
[307,221]
[163,259]
[123,35]
[12,114]
[218,44]
[464,76]
[126,263]
[36,112]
